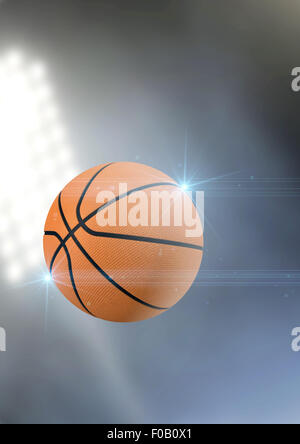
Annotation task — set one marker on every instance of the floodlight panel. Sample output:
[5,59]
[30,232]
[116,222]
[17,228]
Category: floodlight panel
[37,160]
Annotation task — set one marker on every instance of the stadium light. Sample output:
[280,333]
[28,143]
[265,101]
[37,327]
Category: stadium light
[36,162]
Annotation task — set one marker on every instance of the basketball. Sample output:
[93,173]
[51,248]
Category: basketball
[111,248]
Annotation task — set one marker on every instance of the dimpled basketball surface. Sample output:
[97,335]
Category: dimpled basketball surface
[118,272]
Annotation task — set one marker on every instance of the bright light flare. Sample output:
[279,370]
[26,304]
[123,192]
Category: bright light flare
[47,278]
[185,187]
[36,161]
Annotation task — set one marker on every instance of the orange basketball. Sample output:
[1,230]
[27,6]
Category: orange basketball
[130,266]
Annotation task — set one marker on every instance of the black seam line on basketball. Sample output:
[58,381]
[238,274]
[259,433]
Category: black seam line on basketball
[98,268]
[64,241]
[116,199]
[62,245]
[82,222]
[86,190]
[132,238]
[90,216]
[53,233]
[152,240]
[122,236]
